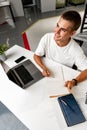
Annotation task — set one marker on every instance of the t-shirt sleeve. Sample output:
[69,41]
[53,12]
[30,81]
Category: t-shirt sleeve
[40,51]
[81,61]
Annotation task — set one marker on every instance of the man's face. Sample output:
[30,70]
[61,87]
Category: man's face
[63,31]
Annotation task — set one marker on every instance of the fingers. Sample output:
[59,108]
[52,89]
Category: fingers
[69,85]
[46,73]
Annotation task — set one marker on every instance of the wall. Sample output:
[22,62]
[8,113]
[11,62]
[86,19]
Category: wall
[17,8]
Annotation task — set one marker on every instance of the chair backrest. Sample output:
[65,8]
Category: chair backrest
[84,21]
[25,40]
[83,24]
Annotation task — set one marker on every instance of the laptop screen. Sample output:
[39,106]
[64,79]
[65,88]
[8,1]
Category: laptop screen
[24,74]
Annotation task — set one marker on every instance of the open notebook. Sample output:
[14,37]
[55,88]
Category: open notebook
[55,85]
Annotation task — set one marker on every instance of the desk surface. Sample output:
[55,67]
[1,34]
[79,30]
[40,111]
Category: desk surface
[33,105]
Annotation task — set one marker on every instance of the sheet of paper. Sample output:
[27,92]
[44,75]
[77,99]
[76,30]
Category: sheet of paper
[55,87]
[57,72]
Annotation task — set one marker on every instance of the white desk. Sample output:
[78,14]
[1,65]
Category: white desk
[33,105]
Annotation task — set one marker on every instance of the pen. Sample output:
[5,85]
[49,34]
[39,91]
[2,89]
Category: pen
[67,104]
[64,102]
[54,96]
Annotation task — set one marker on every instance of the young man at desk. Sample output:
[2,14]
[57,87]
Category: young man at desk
[60,47]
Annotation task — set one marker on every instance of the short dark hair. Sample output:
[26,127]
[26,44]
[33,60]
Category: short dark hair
[74,17]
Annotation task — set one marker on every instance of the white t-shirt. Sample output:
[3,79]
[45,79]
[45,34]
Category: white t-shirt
[67,55]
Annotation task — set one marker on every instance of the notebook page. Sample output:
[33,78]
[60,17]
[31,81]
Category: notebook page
[56,87]
[55,83]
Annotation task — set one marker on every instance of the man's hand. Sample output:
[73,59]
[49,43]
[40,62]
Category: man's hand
[70,84]
[46,72]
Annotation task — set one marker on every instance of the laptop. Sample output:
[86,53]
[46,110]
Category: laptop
[25,74]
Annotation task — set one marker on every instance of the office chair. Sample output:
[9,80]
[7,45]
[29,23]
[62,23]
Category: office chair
[83,29]
[83,25]
[84,22]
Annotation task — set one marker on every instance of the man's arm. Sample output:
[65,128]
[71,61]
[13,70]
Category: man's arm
[81,77]
[38,60]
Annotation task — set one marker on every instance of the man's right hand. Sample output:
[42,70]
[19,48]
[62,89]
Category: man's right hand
[46,72]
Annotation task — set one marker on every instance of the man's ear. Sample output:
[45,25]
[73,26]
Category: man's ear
[73,32]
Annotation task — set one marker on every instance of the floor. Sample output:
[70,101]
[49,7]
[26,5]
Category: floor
[22,23]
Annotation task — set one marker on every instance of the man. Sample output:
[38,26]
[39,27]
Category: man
[60,47]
